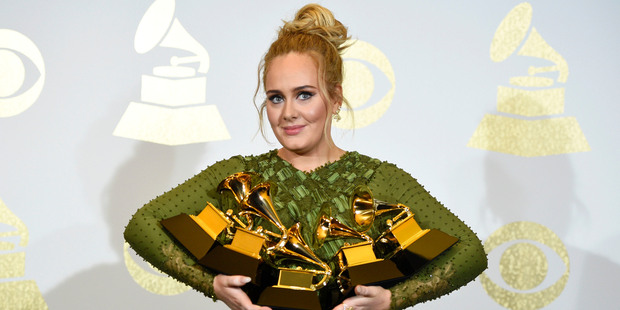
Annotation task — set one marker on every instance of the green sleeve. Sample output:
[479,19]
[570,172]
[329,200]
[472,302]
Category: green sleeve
[150,240]
[457,266]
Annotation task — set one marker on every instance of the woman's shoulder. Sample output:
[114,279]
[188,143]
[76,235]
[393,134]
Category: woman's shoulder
[249,163]
[370,167]
[355,156]
[242,160]
[382,169]
[271,154]
[225,167]
[260,161]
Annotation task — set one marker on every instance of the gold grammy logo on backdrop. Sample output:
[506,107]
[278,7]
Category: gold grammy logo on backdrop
[13,72]
[524,266]
[533,99]
[358,85]
[15,294]
[173,110]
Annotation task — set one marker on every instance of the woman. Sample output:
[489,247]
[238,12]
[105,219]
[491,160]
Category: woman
[302,76]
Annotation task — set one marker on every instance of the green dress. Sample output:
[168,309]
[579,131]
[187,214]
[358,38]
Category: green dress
[303,197]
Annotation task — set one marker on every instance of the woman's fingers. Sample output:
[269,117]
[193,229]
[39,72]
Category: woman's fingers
[237,281]
[368,291]
[367,297]
[228,290]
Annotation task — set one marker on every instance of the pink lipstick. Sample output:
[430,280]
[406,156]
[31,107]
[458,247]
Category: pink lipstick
[293,130]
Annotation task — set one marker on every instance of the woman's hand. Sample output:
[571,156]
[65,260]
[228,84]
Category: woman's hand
[367,298]
[228,290]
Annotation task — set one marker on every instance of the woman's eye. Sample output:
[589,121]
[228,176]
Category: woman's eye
[276,99]
[305,95]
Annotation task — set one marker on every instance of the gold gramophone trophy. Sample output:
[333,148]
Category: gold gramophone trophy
[356,263]
[199,233]
[242,255]
[403,248]
[296,286]
[404,242]
[276,252]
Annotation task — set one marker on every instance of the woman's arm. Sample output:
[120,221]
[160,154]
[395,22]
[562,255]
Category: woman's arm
[457,266]
[151,241]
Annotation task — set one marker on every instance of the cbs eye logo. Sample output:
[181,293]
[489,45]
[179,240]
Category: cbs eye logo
[153,281]
[359,84]
[524,266]
[15,96]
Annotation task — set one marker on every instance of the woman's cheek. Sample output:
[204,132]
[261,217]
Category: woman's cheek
[272,117]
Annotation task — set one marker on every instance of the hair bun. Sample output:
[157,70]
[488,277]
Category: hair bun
[314,19]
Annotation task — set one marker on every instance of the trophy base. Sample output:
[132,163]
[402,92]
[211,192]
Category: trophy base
[374,273]
[189,234]
[229,261]
[281,297]
[431,244]
[423,250]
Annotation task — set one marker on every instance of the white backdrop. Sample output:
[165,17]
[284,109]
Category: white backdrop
[71,70]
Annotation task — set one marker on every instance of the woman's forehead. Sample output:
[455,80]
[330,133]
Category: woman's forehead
[291,70]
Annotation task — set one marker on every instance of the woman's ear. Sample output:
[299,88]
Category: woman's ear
[338,99]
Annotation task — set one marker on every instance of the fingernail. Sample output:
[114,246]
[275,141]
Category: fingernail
[247,280]
[360,290]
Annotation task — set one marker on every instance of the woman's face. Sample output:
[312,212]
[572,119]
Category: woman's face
[295,109]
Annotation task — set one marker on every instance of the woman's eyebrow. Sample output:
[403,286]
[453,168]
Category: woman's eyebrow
[303,87]
[298,88]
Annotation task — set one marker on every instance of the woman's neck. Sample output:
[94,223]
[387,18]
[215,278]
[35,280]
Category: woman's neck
[311,161]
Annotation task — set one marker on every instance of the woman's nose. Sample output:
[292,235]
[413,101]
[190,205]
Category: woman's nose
[289,111]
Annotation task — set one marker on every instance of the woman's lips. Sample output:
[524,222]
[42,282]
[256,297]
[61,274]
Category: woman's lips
[293,130]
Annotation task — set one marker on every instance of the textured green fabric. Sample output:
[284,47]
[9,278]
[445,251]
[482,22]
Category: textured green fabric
[302,197]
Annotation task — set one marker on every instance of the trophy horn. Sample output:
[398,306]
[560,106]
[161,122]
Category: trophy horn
[297,249]
[365,208]
[239,184]
[329,227]
[258,202]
